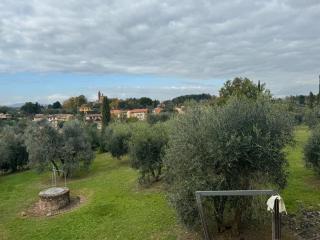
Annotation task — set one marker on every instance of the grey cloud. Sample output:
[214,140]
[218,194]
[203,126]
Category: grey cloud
[275,41]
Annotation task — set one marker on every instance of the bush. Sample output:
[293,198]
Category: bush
[161,117]
[93,135]
[116,139]
[235,146]
[13,153]
[43,144]
[312,150]
[146,149]
[104,139]
[65,149]
[312,117]
[76,148]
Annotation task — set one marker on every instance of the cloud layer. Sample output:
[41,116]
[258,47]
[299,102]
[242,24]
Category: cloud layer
[275,41]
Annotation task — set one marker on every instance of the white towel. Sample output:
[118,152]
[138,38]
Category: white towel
[270,204]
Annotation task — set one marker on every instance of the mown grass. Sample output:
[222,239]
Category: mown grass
[116,207]
[303,184]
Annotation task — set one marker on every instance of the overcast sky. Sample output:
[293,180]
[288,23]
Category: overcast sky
[154,47]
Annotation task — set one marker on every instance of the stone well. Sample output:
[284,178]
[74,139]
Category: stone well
[54,198]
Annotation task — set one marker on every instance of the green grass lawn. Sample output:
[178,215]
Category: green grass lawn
[116,207]
[303,184]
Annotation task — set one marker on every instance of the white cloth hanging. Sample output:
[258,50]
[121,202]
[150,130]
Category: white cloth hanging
[270,204]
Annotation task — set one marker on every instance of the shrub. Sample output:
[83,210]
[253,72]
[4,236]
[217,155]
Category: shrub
[146,149]
[64,149]
[93,135]
[76,148]
[312,117]
[104,139]
[161,117]
[13,153]
[235,146]
[43,144]
[312,150]
[117,137]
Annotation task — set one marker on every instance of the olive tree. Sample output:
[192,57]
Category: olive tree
[93,133]
[312,116]
[13,154]
[312,150]
[64,150]
[117,137]
[43,144]
[146,149]
[242,87]
[76,148]
[235,146]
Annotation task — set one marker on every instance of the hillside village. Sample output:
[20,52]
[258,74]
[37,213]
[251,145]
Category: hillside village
[91,112]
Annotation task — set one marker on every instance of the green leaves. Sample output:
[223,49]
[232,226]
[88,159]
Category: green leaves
[13,154]
[116,139]
[48,147]
[105,112]
[76,148]
[225,148]
[312,150]
[146,149]
[242,87]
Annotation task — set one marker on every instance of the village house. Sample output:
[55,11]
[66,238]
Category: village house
[85,109]
[60,117]
[116,113]
[5,116]
[53,119]
[140,114]
[180,110]
[157,110]
[94,118]
[39,117]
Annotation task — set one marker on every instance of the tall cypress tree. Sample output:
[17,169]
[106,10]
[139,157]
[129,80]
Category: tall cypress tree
[318,97]
[105,112]
[259,86]
[311,99]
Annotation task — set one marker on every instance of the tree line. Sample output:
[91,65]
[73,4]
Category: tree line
[42,147]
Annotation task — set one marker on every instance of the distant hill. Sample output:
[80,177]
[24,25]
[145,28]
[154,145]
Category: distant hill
[15,105]
[195,97]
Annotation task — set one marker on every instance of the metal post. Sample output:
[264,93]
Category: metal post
[65,179]
[276,222]
[52,178]
[55,177]
[202,217]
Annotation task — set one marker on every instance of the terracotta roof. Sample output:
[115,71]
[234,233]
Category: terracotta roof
[142,110]
[158,110]
[115,111]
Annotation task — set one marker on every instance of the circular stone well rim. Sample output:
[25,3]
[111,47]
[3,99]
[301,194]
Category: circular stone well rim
[53,192]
